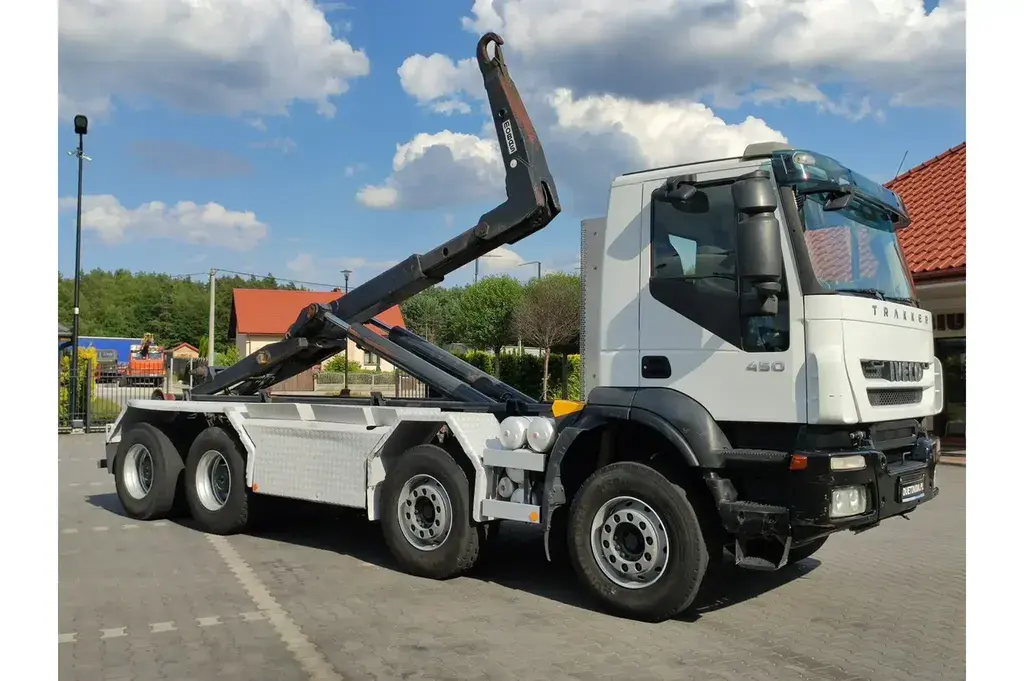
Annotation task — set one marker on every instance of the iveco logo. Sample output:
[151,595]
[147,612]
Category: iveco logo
[902,372]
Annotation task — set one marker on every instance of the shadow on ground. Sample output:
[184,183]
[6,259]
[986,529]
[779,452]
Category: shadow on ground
[515,560]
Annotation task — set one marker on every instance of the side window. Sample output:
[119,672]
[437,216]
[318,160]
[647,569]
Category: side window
[693,269]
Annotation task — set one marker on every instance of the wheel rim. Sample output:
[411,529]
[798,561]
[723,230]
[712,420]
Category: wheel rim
[138,471]
[425,512]
[629,542]
[213,480]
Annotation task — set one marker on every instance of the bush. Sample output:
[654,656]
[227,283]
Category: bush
[526,372]
[336,365]
[86,380]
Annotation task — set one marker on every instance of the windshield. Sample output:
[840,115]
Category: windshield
[855,249]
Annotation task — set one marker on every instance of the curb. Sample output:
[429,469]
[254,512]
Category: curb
[953,461]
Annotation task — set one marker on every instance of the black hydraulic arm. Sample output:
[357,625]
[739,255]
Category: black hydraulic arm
[461,369]
[531,204]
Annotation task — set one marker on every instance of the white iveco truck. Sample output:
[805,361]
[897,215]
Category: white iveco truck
[757,377]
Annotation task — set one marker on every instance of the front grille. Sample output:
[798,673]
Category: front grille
[894,397]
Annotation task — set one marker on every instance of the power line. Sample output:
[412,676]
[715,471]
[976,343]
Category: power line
[256,276]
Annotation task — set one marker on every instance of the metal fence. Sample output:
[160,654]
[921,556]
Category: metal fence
[99,399]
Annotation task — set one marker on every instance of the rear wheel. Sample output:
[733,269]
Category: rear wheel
[147,470]
[215,483]
[426,516]
[636,543]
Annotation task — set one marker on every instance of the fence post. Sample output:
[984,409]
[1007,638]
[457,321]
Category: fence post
[87,391]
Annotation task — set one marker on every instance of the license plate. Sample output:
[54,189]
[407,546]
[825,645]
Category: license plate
[911,490]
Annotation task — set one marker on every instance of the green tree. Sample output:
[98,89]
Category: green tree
[433,313]
[486,313]
[173,309]
[549,315]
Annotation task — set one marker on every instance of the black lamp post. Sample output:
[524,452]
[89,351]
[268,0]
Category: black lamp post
[81,129]
[347,274]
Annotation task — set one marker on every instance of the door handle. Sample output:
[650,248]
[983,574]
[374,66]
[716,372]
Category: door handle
[655,366]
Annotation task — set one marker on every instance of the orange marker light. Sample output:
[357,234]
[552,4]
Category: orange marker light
[798,462]
[255,487]
[534,516]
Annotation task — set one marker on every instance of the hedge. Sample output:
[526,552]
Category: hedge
[526,372]
[86,362]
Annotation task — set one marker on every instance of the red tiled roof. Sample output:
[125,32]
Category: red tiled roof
[935,194]
[269,312]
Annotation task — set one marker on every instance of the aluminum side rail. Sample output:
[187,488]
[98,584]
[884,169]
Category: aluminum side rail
[532,203]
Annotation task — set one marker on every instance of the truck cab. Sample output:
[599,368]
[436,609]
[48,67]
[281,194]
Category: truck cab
[760,309]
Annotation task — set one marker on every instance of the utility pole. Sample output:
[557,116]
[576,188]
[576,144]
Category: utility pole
[213,318]
[346,274]
[81,129]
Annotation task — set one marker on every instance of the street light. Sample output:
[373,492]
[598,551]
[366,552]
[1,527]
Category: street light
[532,262]
[346,274]
[476,265]
[81,129]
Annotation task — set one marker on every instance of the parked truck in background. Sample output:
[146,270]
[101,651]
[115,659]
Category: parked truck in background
[756,373]
[112,354]
[146,363]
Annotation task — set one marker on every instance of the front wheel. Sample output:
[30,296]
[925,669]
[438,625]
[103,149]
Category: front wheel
[636,543]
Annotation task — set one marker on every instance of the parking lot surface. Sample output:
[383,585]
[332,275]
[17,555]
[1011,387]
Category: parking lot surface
[315,596]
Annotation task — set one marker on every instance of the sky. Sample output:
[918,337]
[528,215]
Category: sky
[301,138]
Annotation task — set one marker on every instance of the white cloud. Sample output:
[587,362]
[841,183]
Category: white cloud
[663,49]
[308,267]
[226,56]
[210,224]
[440,83]
[588,141]
[285,145]
[438,169]
[501,259]
[661,133]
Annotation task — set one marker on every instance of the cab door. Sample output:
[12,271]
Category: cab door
[692,336]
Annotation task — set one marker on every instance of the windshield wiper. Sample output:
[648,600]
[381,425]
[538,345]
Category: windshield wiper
[876,293]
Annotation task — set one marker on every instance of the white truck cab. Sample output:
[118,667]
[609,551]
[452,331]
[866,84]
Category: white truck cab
[796,310]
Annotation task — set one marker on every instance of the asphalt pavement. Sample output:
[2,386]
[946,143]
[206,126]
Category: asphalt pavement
[315,596]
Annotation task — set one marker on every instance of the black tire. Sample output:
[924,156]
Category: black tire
[683,572]
[166,475]
[459,550]
[233,515]
[806,551]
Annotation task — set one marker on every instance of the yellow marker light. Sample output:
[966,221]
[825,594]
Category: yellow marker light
[561,408]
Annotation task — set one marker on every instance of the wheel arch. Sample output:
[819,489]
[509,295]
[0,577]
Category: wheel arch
[658,426]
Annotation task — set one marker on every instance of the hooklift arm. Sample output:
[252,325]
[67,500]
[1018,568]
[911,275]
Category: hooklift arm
[316,334]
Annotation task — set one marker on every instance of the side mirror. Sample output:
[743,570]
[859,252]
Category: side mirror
[680,192]
[758,245]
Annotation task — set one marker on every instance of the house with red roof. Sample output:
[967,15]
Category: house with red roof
[260,317]
[935,245]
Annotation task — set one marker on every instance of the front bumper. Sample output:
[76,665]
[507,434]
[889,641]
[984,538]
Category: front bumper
[895,483]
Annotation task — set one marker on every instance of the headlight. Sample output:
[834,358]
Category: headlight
[848,463]
[848,501]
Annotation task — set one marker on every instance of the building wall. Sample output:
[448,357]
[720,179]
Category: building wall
[250,343]
[947,301]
